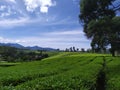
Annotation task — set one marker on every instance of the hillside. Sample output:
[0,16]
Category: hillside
[63,71]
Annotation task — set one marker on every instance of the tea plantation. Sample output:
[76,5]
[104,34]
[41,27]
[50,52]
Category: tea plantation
[63,71]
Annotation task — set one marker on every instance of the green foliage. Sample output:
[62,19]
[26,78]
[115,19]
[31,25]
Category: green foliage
[113,74]
[66,71]
[101,23]
[95,9]
[12,54]
[63,71]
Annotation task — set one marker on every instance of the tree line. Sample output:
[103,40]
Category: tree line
[12,54]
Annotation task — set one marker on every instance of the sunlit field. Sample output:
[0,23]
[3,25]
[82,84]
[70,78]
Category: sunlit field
[63,71]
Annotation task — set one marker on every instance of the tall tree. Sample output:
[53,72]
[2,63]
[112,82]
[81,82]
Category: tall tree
[99,21]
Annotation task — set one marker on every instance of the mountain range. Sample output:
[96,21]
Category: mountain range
[16,45]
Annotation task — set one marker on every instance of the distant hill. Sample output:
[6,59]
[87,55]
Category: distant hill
[12,45]
[40,48]
[16,45]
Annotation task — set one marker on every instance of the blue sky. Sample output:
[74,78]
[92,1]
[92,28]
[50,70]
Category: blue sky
[45,23]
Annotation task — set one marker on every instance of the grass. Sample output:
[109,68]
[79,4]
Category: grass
[113,73]
[61,71]
[6,64]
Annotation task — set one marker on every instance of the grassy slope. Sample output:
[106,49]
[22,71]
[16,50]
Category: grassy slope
[113,73]
[70,71]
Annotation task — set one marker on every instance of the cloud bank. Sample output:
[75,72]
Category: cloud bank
[57,39]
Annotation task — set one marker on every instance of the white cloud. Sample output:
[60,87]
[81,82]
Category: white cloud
[6,40]
[13,22]
[13,1]
[5,11]
[26,20]
[20,21]
[2,7]
[65,32]
[58,39]
[64,40]
[4,14]
[44,9]
[31,5]
[55,42]
[64,21]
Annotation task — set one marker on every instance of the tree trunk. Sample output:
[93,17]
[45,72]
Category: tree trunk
[112,50]
[113,53]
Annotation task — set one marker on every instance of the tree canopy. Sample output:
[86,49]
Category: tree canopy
[101,23]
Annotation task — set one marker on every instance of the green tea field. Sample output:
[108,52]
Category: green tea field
[63,71]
